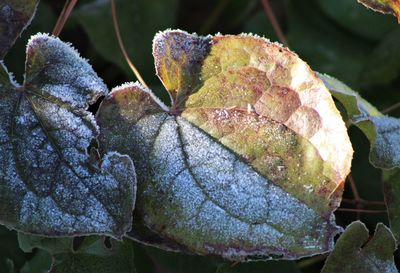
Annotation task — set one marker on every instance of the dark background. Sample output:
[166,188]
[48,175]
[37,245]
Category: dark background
[338,37]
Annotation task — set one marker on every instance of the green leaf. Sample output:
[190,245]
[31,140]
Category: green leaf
[10,266]
[138,20]
[9,250]
[15,16]
[357,19]
[40,263]
[384,6]
[92,255]
[260,24]
[51,245]
[355,252]
[235,13]
[383,132]
[391,187]
[354,104]
[170,262]
[246,145]
[383,64]
[49,184]
[261,267]
[339,54]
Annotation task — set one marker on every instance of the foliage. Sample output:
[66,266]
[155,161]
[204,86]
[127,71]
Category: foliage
[241,152]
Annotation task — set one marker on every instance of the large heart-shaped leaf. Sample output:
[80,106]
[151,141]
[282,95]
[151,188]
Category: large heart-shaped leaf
[250,159]
[384,6]
[49,184]
[15,15]
[355,252]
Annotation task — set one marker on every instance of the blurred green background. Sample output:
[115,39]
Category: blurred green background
[337,37]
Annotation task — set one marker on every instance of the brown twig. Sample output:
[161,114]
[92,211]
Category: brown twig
[64,15]
[356,194]
[391,108]
[361,210]
[271,16]
[214,16]
[122,46]
[364,202]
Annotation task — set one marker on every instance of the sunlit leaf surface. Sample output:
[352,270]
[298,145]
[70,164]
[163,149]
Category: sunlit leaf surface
[250,160]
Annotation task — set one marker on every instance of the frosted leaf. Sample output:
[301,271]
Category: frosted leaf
[383,132]
[250,160]
[15,16]
[49,185]
[356,252]
[383,6]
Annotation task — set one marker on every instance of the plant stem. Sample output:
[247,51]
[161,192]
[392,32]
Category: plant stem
[64,15]
[361,210]
[356,194]
[122,46]
[271,16]
[214,16]
[362,201]
[391,108]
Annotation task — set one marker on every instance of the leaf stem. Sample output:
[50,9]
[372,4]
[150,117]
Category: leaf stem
[214,16]
[271,16]
[361,210]
[122,46]
[356,194]
[354,189]
[64,15]
[391,108]
[362,201]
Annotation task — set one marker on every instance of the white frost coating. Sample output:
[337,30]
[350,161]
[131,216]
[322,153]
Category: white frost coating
[160,36]
[48,184]
[209,200]
[61,73]
[386,149]
[134,85]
